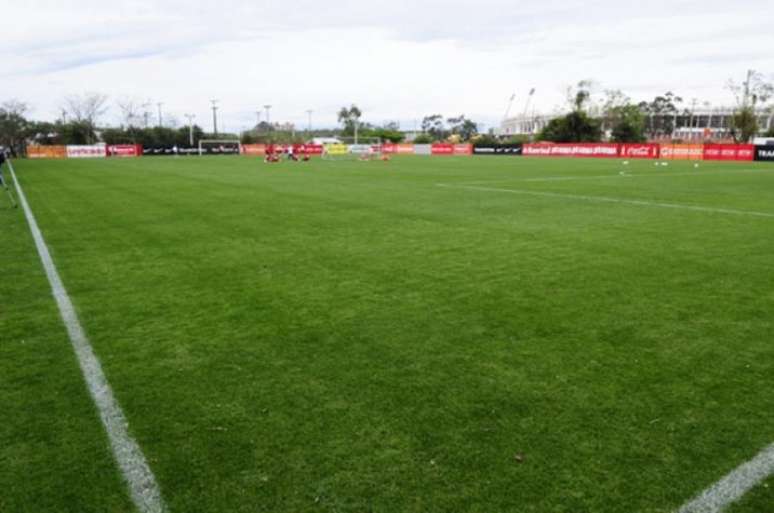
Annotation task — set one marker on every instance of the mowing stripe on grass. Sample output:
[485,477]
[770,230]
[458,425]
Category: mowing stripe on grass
[734,486]
[607,199]
[143,488]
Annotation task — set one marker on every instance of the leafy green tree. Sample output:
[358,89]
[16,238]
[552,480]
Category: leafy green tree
[628,124]
[661,113]
[13,125]
[463,127]
[423,139]
[349,118]
[576,126]
[433,125]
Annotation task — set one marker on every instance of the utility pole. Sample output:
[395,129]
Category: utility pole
[190,128]
[159,104]
[214,116]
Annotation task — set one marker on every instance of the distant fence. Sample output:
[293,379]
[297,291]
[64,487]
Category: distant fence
[728,152]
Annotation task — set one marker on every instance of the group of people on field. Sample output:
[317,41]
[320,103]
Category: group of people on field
[297,154]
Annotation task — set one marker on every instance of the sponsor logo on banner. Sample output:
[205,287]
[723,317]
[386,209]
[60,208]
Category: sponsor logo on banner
[682,151]
[124,150]
[499,149]
[46,152]
[336,149]
[405,149]
[169,151]
[743,152]
[253,149]
[598,150]
[640,151]
[86,152]
[442,149]
[764,153]
[463,149]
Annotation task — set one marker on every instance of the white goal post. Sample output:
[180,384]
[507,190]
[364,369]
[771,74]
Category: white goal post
[220,147]
[351,148]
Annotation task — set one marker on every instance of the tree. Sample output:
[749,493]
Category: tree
[579,97]
[577,126]
[463,127]
[423,139]
[13,124]
[661,114]
[433,125]
[627,123]
[84,111]
[749,94]
[132,110]
[350,117]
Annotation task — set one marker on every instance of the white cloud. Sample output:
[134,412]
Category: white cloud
[398,60]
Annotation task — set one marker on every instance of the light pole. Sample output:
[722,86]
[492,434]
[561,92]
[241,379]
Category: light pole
[214,116]
[190,128]
[268,119]
[309,126]
[159,104]
[258,119]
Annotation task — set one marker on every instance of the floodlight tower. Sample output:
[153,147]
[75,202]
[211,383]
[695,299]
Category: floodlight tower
[258,120]
[158,105]
[309,126]
[214,116]
[190,128]
[268,119]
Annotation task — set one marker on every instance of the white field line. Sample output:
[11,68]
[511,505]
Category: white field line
[143,488]
[607,199]
[734,485]
[617,175]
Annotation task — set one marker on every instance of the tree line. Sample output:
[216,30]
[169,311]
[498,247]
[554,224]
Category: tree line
[621,120]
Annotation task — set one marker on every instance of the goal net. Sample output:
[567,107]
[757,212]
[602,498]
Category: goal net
[219,147]
[349,148]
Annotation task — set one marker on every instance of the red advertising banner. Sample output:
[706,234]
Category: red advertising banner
[729,152]
[639,151]
[405,149]
[682,151]
[598,150]
[442,149]
[463,149]
[253,149]
[389,148]
[46,152]
[124,150]
[298,149]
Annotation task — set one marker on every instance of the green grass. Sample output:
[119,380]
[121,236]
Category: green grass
[351,337]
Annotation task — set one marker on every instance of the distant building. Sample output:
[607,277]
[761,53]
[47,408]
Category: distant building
[697,125]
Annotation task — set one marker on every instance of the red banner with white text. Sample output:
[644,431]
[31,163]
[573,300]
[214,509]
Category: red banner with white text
[124,150]
[442,149]
[639,151]
[597,150]
[729,152]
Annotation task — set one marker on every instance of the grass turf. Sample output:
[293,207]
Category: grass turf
[349,337]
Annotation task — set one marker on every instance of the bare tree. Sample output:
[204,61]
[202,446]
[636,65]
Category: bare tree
[754,92]
[132,110]
[87,107]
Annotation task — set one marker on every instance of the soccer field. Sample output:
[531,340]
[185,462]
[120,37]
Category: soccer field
[460,334]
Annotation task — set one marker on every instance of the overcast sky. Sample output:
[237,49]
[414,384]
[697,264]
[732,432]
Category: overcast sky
[397,60]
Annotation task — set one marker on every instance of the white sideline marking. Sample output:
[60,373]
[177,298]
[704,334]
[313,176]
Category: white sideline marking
[645,175]
[607,199]
[143,488]
[734,485]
